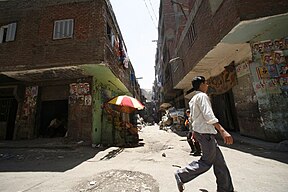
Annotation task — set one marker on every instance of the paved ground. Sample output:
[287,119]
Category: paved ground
[38,166]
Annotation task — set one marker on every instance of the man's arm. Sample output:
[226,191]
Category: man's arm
[228,139]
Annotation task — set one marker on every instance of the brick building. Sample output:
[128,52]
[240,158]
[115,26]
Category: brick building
[241,48]
[60,59]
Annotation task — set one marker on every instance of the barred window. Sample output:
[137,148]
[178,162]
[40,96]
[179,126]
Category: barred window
[8,32]
[63,29]
[192,34]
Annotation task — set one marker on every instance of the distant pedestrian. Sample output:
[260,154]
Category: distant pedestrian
[205,124]
[192,141]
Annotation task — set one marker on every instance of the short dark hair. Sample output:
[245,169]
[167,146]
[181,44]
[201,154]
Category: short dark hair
[196,82]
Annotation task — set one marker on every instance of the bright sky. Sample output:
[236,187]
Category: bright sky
[138,21]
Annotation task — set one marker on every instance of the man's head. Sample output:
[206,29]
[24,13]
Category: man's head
[187,111]
[199,84]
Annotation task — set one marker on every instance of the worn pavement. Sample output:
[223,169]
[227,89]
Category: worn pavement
[59,165]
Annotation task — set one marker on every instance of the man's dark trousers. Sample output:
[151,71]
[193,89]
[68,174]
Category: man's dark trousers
[211,155]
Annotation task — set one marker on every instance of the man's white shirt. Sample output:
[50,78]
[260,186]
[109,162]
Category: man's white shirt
[202,114]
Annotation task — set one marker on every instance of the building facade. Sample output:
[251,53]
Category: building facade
[61,59]
[240,49]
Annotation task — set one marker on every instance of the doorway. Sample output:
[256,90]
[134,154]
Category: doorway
[224,109]
[53,120]
[8,111]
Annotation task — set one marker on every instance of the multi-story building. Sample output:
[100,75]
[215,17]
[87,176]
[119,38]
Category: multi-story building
[241,48]
[61,59]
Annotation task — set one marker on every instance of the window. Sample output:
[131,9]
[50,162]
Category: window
[8,32]
[63,29]
[192,34]
[110,35]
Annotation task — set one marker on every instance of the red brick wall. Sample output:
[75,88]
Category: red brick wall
[167,40]
[246,104]
[225,18]
[34,45]
[258,8]
[206,38]
[211,29]
[111,54]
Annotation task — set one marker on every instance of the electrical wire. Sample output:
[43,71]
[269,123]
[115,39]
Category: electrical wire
[150,14]
[153,10]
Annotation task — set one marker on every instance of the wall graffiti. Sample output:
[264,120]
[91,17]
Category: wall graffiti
[224,82]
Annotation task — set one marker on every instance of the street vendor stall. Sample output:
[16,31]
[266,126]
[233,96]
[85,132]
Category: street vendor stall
[125,132]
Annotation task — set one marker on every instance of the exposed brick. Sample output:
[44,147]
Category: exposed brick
[34,48]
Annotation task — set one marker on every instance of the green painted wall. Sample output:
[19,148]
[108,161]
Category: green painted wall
[105,86]
[96,114]
[102,126]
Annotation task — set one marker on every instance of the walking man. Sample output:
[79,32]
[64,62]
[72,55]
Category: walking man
[205,125]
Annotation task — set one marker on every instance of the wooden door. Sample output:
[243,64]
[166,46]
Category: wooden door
[224,108]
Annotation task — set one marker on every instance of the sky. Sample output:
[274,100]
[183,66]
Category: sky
[138,21]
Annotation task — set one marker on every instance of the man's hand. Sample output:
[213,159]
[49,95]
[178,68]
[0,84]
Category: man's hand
[228,139]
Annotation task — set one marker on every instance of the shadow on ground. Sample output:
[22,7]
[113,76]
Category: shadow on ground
[44,160]
[258,151]
[247,145]
[50,155]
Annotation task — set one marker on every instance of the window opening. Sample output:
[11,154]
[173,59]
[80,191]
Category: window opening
[63,29]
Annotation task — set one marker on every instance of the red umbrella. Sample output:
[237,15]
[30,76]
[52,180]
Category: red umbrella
[126,104]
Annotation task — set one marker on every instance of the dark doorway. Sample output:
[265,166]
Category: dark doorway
[8,111]
[53,112]
[224,109]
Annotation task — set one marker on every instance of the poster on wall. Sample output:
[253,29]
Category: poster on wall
[284,83]
[72,99]
[80,94]
[272,86]
[73,88]
[88,100]
[81,99]
[270,67]
[283,69]
[278,44]
[268,46]
[267,59]
[272,70]
[262,72]
[259,88]
[286,43]
[30,100]
[257,48]
[242,69]
[278,57]
[86,88]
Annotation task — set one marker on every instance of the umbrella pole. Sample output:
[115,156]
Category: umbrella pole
[113,131]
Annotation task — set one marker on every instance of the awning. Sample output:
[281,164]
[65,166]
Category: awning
[165,105]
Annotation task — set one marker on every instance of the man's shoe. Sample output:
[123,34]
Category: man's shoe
[197,154]
[180,187]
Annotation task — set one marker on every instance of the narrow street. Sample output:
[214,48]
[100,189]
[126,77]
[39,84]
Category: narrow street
[146,168]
